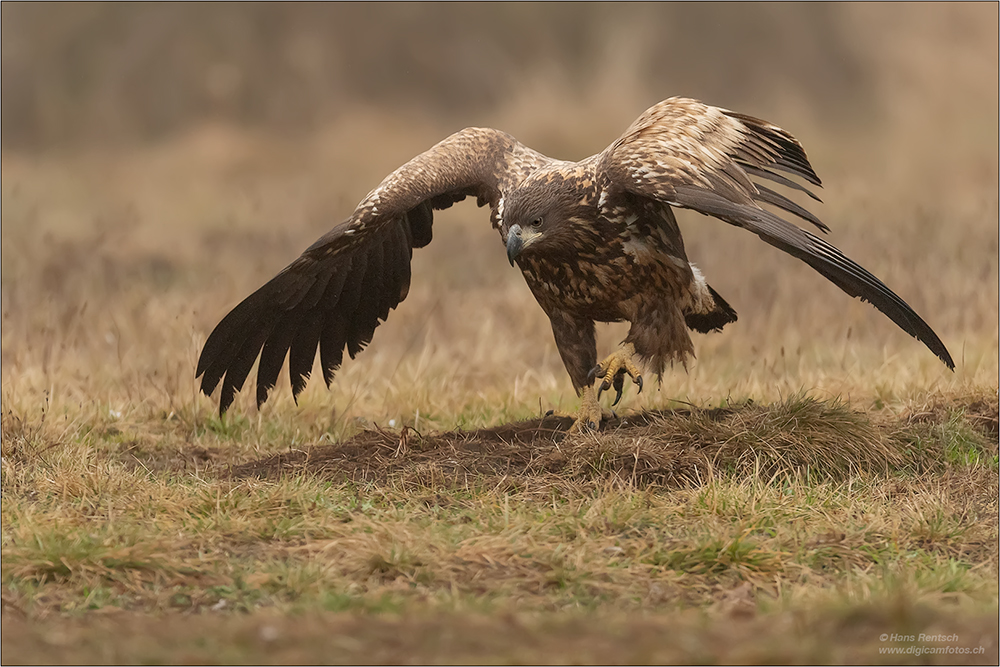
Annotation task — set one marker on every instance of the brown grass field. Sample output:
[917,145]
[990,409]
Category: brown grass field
[815,481]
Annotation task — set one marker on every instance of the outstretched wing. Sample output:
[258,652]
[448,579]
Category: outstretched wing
[344,285]
[687,154]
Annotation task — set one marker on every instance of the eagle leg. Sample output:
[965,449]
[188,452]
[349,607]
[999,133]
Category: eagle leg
[590,416]
[612,371]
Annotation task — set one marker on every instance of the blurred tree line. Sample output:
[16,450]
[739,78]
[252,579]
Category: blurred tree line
[80,73]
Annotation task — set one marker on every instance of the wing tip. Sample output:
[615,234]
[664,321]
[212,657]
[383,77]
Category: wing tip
[945,357]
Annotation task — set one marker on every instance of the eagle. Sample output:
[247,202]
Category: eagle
[596,241]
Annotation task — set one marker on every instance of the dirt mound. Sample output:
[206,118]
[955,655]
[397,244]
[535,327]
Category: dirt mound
[671,448]
[532,446]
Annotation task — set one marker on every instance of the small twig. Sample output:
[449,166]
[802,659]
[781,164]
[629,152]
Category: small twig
[404,442]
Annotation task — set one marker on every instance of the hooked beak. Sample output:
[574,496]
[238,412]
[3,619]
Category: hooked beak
[518,240]
[514,243]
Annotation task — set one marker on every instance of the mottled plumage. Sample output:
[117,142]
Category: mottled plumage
[596,241]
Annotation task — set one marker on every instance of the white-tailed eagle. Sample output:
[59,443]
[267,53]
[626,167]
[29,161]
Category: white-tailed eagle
[596,241]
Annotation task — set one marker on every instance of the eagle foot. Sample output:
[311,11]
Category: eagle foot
[590,415]
[613,369]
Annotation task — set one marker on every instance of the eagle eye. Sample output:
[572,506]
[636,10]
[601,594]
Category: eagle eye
[537,222]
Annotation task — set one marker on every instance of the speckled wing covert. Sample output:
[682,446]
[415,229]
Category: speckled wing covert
[344,285]
[691,155]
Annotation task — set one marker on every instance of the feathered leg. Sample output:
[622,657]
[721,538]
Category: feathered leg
[578,348]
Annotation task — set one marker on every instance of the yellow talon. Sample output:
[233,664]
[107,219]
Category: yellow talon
[611,371]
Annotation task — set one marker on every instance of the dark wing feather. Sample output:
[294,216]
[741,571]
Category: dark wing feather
[366,316]
[239,367]
[344,285]
[777,178]
[684,153]
[272,357]
[769,196]
[817,253]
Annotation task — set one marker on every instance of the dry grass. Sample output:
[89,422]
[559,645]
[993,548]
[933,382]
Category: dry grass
[818,440]
[743,513]
[816,473]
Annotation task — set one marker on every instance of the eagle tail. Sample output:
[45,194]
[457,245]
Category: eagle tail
[714,319]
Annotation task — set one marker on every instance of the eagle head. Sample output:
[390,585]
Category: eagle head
[538,214]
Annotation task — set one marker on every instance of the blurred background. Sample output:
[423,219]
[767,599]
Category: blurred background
[161,161]
[80,73]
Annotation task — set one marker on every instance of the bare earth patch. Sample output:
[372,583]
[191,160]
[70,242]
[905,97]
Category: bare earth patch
[666,448]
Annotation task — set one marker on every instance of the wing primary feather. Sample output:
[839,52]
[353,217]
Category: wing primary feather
[331,345]
[227,339]
[239,368]
[782,165]
[404,254]
[792,167]
[272,357]
[734,171]
[352,294]
[394,269]
[823,257]
[754,152]
[276,347]
[785,150]
[726,187]
[760,172]
[362,324]
[318,288]
[769,196]
[782,139]
[289,286]
[302,354]
[333,336]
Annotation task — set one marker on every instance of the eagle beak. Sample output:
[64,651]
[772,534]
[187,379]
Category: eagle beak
[514,243]
[518,239]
